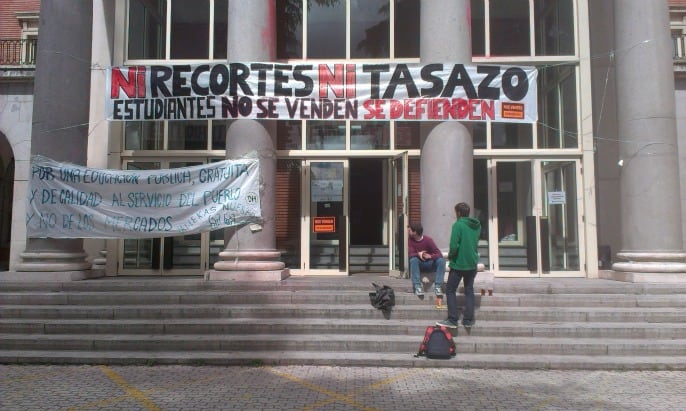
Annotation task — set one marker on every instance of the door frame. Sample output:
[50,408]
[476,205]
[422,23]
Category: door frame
[398,214]
[306,228]
[538,204]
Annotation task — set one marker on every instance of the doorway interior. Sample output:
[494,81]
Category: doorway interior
[353,218]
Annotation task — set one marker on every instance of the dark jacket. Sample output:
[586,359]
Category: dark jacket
[464,240]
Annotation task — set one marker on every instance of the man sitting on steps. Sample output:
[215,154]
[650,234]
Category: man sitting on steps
[424,256]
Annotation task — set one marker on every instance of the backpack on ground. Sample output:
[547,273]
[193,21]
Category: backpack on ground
[438,343]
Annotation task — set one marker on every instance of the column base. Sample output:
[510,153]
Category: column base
[629,277]
[648,267]
[262,275]
[53,261]
[248,265]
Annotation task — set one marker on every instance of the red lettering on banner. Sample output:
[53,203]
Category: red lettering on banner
[462,108]
[334,79]
[350,81]
[119,81]
[432,109]
[396,109]
[487,109]
[473,104]
[140,81]
[374,109]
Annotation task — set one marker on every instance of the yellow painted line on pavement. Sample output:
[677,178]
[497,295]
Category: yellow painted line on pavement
[336,397]
[129,389]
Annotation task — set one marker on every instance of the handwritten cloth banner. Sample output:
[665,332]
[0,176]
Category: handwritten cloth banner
[71,201]
[323,91]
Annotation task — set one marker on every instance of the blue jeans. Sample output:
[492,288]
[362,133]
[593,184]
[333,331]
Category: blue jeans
[454,278]
[417,266]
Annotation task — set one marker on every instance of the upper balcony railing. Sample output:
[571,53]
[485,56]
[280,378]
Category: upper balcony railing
[18,52]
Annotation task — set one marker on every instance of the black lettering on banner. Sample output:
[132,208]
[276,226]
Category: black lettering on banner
[485,91]
[306,80]
[236,106]
[268,110]
[47,221]
[70,175]
[43,173]
[179,87]
[401,76]
[197,89]
[291,106]
[67,221]
[239,73]
[209,106]
[85,222]
[459,77]
[518,91]
[261,76]
[158,75]
[280,79]
[375,70]
[116,110]
[219,79]
[427,75]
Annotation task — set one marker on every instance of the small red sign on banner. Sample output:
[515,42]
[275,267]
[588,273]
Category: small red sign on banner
[513,110]
[323,224]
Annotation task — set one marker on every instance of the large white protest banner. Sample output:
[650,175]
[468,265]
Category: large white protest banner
[72,201]
[323,91]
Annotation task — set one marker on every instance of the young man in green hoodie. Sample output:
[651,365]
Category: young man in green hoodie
[463,257]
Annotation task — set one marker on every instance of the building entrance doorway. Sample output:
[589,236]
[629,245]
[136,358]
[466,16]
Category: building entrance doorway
[189,254]
[536,229]
[353,215]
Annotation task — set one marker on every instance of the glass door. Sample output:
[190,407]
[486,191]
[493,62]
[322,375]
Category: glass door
[176,255]
[561,225]
[398,215]
[537,221]
[325,216]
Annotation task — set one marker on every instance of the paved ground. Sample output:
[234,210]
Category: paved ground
[32,387]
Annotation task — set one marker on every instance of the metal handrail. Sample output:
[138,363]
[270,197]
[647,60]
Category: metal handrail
[18,52]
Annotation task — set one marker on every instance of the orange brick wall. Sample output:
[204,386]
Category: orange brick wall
[9,25]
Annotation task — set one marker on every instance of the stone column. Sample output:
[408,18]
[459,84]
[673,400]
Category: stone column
[447,172]
[250,250]
[652,245]
[60,123]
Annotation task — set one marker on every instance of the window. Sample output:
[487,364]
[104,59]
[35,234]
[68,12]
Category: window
[147,29]
[557,110]
[370,34]
[194,29]
[180,135]
[505,27]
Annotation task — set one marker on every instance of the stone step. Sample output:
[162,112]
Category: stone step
[339,343]
[557,286]
[552,323]
[326,296]
[343,312]
[319,326]
[361,359]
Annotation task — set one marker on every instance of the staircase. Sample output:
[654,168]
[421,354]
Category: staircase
[527,323]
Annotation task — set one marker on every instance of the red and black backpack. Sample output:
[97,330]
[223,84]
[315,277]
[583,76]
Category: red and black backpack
[438,343]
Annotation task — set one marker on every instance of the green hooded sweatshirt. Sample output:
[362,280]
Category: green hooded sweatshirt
[464,240]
